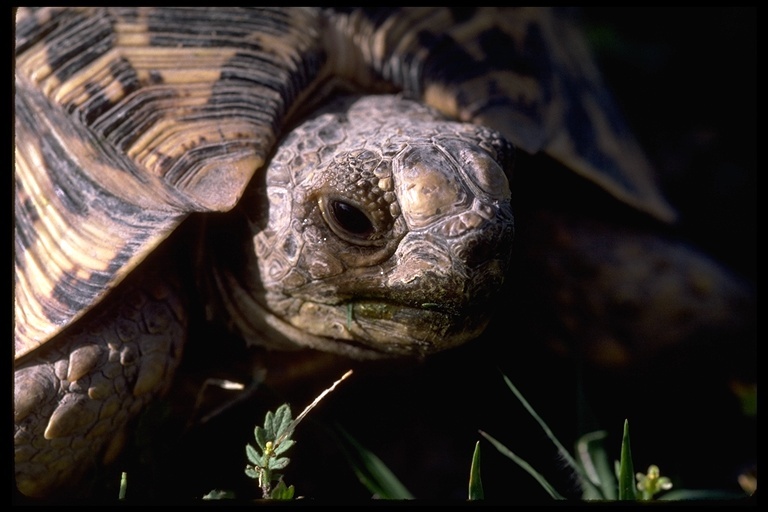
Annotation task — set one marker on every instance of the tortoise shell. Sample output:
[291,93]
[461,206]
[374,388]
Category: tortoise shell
[128,119]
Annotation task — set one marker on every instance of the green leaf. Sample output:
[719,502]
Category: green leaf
[278,463]
[269,426]
[251,472]
[371,471]
[218,494]
[261,437]
[282,420]
[475,482]
[253,456]
[283,446]
[626,468]
[282,491]
[701,494]
[523,464]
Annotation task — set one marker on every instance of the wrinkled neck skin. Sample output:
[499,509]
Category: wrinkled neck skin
[378,229]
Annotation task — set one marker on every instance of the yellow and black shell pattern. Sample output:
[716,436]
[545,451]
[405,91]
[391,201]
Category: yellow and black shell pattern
[129,119]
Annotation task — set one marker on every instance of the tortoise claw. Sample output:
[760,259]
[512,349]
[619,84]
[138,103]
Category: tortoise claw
[71,403]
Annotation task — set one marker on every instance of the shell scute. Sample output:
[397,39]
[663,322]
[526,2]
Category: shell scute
[128,119]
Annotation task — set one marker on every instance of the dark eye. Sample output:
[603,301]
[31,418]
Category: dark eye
[351,219]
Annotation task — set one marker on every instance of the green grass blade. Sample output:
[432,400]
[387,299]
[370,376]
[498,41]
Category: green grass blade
[626,468]
[560,448]
[371,471]
[595,461]
[475,482]
[123,486]
[523,464]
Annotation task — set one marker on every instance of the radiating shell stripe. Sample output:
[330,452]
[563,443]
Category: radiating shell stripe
[127,120]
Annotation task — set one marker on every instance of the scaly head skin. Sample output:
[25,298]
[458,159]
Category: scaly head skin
[380,229]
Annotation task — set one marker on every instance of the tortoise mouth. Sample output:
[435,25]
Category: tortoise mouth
[375,328]
[361,327]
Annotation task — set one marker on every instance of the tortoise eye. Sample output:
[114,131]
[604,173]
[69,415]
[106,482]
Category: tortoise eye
[351,219]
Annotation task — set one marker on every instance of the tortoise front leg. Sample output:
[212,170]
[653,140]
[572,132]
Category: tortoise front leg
[75,397]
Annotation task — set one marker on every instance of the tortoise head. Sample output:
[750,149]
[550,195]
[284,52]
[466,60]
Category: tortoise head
[380,228]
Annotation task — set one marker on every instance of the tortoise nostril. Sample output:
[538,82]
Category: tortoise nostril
[476,251]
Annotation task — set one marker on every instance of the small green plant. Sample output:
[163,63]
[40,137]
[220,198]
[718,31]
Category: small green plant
[652,482]
[273,440]
[598,480]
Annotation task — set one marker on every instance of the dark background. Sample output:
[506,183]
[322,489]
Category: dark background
[686,80]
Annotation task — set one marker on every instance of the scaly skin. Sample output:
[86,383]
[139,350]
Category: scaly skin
[75,399]
[372,237]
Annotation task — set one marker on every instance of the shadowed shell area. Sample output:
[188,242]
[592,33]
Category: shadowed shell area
[149,278]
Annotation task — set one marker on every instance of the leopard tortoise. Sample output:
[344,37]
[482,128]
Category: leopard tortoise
[363,155]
